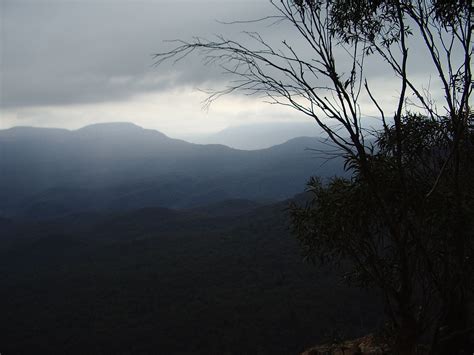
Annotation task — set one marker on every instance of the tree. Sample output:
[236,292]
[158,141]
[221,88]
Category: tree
[404,221]
[425,276]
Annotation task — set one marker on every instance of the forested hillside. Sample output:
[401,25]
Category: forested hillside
[163,281]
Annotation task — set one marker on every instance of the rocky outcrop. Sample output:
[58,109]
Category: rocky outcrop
[367,345]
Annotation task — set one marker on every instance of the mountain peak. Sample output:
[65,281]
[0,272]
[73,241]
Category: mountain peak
[108,126]
[115,129]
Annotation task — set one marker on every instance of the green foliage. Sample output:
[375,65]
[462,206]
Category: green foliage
[407,228]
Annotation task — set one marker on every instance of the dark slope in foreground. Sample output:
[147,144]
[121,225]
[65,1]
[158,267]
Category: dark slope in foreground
[158,281]
[119,166]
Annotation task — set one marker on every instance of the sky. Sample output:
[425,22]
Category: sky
[70,63]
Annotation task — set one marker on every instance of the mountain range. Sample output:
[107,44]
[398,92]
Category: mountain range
[116,239]
[257,135]
[120,166]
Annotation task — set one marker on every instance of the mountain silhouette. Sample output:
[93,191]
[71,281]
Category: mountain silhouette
[121,166]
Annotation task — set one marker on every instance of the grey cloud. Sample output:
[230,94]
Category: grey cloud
[67,52]
[61,52]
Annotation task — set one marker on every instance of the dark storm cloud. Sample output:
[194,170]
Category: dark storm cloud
[84,51]
[62,52]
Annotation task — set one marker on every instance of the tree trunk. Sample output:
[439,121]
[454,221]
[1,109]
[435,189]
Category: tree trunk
[406,340]
[455,338]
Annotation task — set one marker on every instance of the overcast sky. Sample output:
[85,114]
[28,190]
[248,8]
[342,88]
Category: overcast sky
[70,63]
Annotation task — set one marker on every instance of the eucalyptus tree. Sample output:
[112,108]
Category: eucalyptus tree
[403,221]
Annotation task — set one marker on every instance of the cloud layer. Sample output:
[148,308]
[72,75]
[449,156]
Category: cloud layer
[72,62]
[63,52]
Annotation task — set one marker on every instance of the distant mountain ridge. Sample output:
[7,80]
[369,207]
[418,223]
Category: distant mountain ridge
[258,135]
[119,166]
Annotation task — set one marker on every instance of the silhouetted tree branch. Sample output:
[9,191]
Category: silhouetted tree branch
[403,223]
